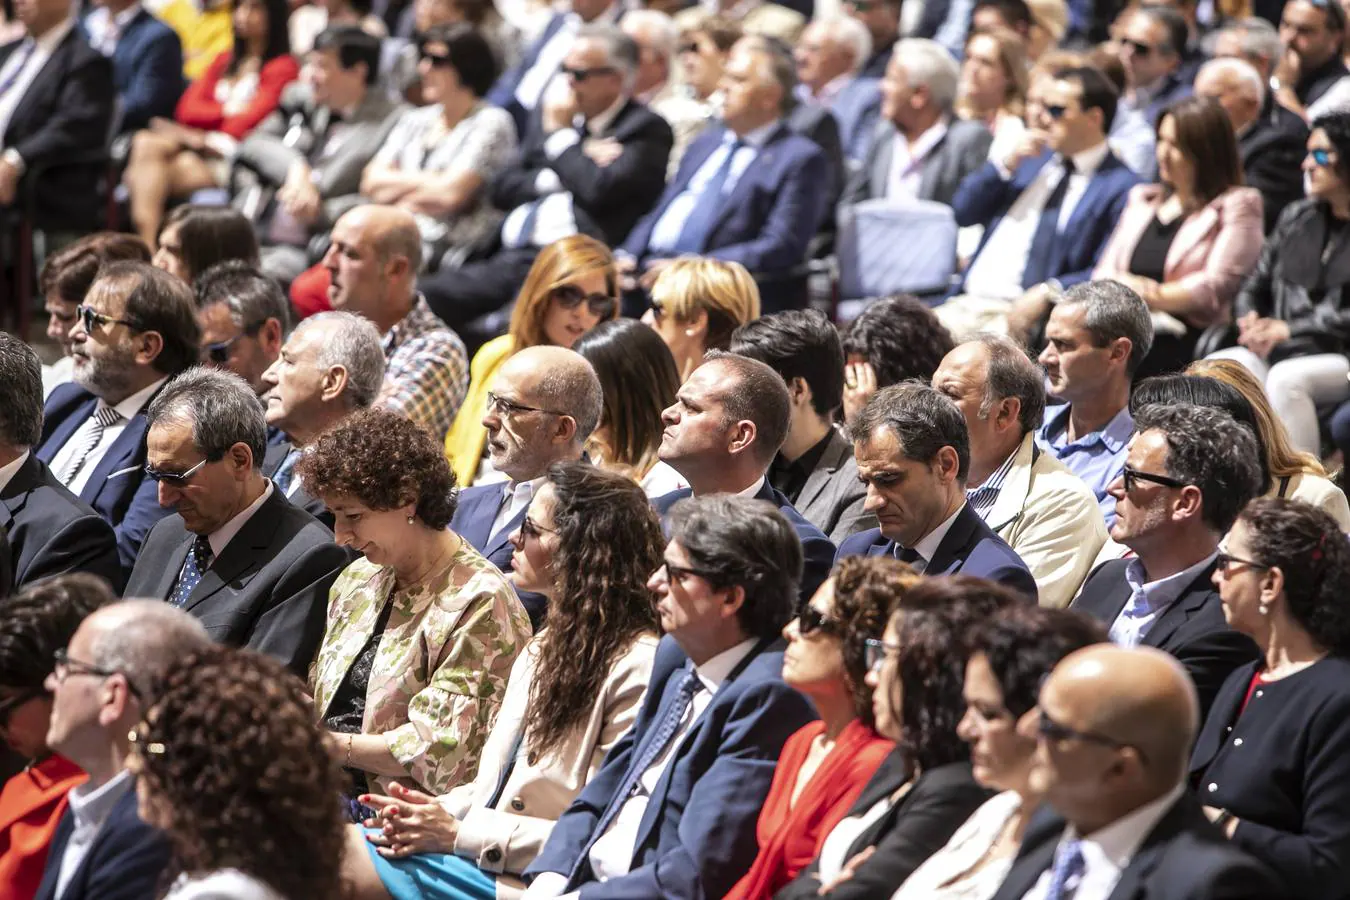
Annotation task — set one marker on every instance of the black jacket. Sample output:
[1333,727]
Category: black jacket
[1272,155]
[124,862]
[276,454]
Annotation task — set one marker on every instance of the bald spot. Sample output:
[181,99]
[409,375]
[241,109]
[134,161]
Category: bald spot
[559,379]
[390,231]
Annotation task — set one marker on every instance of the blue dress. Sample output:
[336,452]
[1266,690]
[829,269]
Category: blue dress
[432,876]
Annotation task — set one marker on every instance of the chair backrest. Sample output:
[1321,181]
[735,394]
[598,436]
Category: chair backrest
[886,248]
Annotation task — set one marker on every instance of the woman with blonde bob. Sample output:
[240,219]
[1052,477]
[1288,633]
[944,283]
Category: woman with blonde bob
[1294,474]
[571,288]
[697,304]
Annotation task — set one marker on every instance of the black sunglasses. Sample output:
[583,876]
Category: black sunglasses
[580,75]
[1055,111]
[1139,47]
[810,620]
[1224,560]
[530,528]
[437,60]
[569,296]
[1132,477]
[218,353]
[1051,730]
[680,573]
[173,479]
[92,319]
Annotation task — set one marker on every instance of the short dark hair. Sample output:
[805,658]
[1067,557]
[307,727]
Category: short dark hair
[760,397]
[1204,134]
[1095,91]
[210,234]
[158,302]
[1178,32]
[900,337]
[70,271]
[251,296]
[221,408]
[1208,449]
[382,460]
[798,344]
[1024,643]
[746,543]
[1336,126]
[1110,311]
[1308,547]
[40,620]
[923,419]
[470,55]
[21,398]
[1011,373]
[353,46]
[1015,13]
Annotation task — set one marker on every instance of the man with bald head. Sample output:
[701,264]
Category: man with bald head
[542,405]
[373,261]
[1113,733]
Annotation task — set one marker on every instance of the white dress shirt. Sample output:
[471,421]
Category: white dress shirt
[907,160]
[128,409]
[997,272]
[1107,851]
[834,849]
[930,542]
[32,63]
[89,809]
[518,495]
[105,30]
[221,537]
[8,470]
[536,80]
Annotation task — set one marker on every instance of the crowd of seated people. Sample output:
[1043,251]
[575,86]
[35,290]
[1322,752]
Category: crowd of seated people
[458,472]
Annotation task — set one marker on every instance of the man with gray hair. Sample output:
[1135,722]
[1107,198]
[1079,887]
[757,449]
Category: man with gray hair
[235,554]
[830,57]
[920,150]
[1029,498]
[100,692]
[331,366]
[1096,339]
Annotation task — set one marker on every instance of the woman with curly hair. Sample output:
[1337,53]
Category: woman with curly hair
[572,287]
[1270,763]
[697,303]
[924,789]
[824,765]
[588,544]
[230,766]
[895,339]
[423,631]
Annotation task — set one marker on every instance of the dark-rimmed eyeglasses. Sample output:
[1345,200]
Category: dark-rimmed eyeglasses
[580,75]
[810,620]
[218,353]
[530,528]
[569,296]
[173,479]
[1139,48]
[1131,478]
[67,665]
[10,704]
[1226,559]
[1320,157]
[92,318]
[680,573]
[875,651]
[1051,730]
[503,406]
[1055,111]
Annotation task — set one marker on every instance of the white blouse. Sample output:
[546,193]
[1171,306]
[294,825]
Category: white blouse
[946,874]
[227,884]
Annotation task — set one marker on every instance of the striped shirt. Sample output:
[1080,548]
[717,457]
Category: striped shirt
[983,498]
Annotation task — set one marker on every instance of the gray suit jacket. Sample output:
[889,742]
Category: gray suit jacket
[294,133]
[961,151]
[832,498]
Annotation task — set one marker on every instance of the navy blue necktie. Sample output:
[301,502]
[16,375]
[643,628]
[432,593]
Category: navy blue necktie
[1041,255]
[198,560]
[694,233]
[1067,871]
[285,473]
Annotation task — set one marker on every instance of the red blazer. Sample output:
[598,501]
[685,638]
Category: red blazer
[198,107]
[790,835]
[31,806]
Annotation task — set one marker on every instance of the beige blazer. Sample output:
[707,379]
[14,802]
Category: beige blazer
[1320,492]
[504,839]
[1051,518]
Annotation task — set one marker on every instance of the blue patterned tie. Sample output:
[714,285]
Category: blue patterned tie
[1041,255]
[1131,625]
[285,473]
[694,232]
[198,560]
[1069,866]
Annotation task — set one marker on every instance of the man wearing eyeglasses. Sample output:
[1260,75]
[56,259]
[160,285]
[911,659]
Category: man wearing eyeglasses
[1189,471]
[236,555]
[136,329]
[1113,735]
[100,692]
[1151,49]
[243,316]
[543,404]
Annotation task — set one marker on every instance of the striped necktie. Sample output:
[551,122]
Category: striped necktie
[104,415]
[22,54]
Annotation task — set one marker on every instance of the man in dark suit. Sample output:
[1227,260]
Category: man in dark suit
[913,454]
[64,107]
[139,329]
[814,469]
[331,366]
[243,315]
[1188,473]
[102,850]
[1153,52]
[936,149]
[672,811]
[727,424]
[236,555]
[752,191]
[147,60]
[593,161]
[1114,733]
[544,403]
[1271,139]
[50,530]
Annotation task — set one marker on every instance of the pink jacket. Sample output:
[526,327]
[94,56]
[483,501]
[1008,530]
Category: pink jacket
[1214,250]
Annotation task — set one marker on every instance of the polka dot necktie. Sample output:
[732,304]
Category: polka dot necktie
[198,561]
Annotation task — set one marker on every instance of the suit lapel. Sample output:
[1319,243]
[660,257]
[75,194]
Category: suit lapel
[1192,231]
[244,553]
[1012,496]
[114,462]
[1027,869]
[881,165]
[1196,594]
[930,172]
[62,433]
[15,495]
[836,451]
[57,849]
[30,94]
[1131,885]
[500,539]
[762,161]
[952,550]
[478,520]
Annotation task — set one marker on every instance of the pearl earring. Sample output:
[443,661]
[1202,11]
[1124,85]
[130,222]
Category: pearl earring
[410,520]
[1263,609]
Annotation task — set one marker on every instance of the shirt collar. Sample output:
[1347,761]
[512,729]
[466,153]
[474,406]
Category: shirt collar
[221,537]
[420,320]
[132,405]
[1085,162]
[757,138]
[715,671]
[8,471]
[91,806]
[753,490]
[1116,844]
[600,124]
[521,489]
[1115,435]
[807,461]
[1164,592]
[928,140]
[929,543]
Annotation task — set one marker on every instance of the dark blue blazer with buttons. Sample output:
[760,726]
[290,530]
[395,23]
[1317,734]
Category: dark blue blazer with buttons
[147,71]
[124,862]
[478,508]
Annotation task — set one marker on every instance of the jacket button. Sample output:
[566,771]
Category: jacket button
[1237,742]
[1213,787]
[1258,693]
[517,804]
[493,856]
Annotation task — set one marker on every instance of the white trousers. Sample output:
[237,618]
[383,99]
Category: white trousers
[1296,387]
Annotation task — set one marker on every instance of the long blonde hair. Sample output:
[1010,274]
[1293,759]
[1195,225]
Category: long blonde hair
[1012,56]
[1284,460]
[556,265]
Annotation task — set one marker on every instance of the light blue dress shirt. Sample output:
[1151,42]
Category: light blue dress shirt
[1097,458]
[1149,599]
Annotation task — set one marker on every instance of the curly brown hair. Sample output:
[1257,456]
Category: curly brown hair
[866,589]
[609,543]
[232,757]
[383,460]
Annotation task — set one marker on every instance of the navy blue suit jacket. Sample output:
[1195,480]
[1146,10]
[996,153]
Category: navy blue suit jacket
[117,487]
[775,208]
[147,71]
[984,198]
[817,550]
[124,862]
[697,837]
[478,507]
[970,547]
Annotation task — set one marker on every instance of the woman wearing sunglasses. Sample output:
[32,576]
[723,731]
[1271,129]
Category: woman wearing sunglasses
[824,766]
[1270,764]
[924,789]
[571,288]
[1011,654]
[589,544]
[696,304]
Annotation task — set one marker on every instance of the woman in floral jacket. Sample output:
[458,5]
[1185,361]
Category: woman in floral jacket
[423,632]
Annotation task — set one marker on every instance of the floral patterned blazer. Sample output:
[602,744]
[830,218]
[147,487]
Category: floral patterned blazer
[441,668]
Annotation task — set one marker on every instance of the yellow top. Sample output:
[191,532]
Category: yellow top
[464,442]
[204,34]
